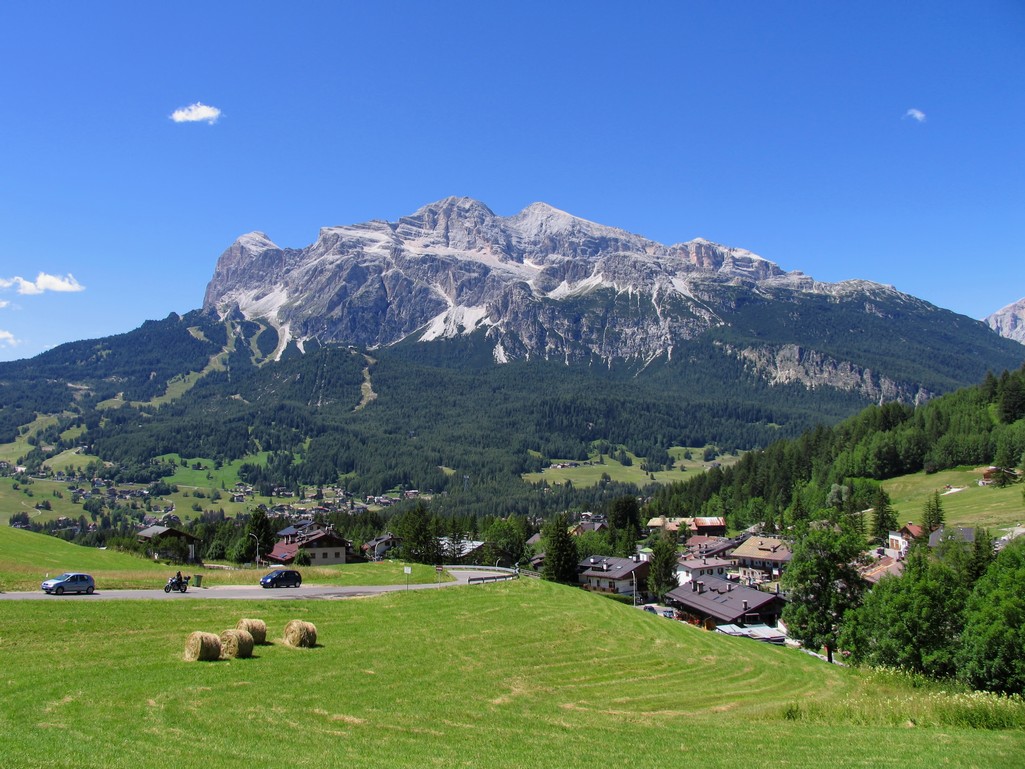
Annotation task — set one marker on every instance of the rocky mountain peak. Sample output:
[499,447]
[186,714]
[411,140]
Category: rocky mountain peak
[454,222]
[540,283]
[1010,321]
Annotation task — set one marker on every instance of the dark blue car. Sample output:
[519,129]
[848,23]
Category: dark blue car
[282,578]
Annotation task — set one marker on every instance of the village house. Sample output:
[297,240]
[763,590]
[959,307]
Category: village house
[706,526]
[958,534]
[900,541]
[595,524]
[689,569]
[378,547]
[324,546]
[662,523]
[605,574]
[885,566]
[461,550]
[761,559]
[712,602]
[702,546]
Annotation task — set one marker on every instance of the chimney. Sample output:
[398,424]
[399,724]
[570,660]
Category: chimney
[701,587]
[745,604]
[693,586]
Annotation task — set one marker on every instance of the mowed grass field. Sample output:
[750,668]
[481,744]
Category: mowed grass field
[584,474]
[27,558]
[513,674]
[964,501]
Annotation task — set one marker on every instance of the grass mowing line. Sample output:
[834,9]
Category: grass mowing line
[439,678]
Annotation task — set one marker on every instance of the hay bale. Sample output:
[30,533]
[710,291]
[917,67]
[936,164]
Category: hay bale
[202,647]
[237,643]
[300,633]
[257,628]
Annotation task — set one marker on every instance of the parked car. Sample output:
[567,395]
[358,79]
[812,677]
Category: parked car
[70,582]
[650,609]
[669,614]
[282,578]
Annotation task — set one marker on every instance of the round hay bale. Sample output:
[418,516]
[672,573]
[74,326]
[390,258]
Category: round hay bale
[257,628]
[202,647]
[237,643]
[300,633]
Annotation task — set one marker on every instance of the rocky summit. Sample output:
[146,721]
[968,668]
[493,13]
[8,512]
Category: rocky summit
[1010,321]
[543,284]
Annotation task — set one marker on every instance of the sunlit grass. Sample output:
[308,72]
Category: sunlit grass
[504,675]
[585,475]
[973,505]
[27,558]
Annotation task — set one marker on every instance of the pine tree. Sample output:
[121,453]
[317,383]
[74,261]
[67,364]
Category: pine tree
[932,513]
[662,566]
[981,556]
[885,515]
[561,557]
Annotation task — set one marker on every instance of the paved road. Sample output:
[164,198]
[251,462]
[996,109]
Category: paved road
[249,592]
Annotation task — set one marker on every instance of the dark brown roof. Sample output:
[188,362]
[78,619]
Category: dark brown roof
[607,567]
[720,599]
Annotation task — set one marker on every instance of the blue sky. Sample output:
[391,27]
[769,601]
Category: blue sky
[874,140]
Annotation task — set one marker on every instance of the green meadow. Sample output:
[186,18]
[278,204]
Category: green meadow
[512,674]
[584,475]
[964,501]
[27,558]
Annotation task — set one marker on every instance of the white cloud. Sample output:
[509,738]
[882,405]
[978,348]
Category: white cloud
[915,114]
[196,113]
[7,339]
[44,282]
[3,303]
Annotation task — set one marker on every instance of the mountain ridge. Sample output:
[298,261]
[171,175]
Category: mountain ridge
[454,266]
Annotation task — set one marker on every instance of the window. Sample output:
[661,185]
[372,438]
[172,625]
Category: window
[337,554]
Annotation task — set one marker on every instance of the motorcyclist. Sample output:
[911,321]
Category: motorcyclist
[178,579]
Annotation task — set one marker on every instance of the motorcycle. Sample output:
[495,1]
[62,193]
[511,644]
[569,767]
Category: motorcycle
[173,583]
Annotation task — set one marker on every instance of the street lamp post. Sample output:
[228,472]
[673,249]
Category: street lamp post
[257,559]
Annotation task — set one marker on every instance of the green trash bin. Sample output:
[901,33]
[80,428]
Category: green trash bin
[197,580]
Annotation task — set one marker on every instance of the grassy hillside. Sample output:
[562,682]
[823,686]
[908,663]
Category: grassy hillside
[583,474]
[507,675]
[26,559]
[965,502]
